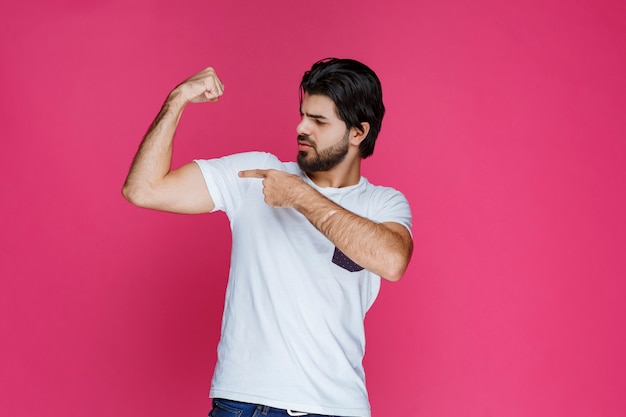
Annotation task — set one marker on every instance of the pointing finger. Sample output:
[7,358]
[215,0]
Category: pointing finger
[253,173]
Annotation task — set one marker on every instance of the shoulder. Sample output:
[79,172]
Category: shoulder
[387,204]
[244,160]
[381,191]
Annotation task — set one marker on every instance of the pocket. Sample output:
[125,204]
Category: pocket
[226,408]
[340,259]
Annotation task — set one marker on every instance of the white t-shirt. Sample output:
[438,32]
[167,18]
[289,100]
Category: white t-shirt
[292,330]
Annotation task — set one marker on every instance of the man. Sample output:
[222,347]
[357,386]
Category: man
[310,243]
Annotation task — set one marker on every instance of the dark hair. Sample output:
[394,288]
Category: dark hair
[355,89]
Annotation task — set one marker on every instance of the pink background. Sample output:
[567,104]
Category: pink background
[505,129]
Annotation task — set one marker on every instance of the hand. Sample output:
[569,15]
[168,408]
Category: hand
[280,188]
[202,87]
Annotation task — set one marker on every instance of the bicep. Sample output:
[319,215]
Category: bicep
[184,190]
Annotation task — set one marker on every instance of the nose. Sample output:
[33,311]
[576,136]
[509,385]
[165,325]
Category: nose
[304,127]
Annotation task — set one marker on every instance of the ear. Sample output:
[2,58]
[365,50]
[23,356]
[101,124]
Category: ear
[358,135]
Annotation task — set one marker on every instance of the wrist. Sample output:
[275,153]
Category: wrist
[177,98]
[304,197]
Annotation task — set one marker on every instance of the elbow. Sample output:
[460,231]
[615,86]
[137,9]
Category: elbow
[395,268]
[394,274]
[129,194]
[135,196]
[393,277]
[126,193]
[398,264]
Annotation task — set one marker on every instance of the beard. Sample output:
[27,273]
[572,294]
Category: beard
[324,160]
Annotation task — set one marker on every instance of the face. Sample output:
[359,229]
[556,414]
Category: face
[323,139]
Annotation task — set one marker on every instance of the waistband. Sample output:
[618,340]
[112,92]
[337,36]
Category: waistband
[263,409]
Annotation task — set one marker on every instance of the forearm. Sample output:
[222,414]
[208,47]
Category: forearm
[153,159]
[374,246]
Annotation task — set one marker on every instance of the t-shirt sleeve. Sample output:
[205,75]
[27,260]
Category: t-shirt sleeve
[392,206]
[221,176]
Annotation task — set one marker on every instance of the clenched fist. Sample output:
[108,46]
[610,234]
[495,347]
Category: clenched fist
[202,87]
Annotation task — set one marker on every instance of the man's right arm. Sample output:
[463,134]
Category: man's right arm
[151,183]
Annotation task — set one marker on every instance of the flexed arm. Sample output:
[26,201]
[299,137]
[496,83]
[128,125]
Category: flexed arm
[383,248]
[151,183]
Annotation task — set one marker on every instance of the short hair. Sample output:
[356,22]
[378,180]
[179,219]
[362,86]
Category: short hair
[356,91]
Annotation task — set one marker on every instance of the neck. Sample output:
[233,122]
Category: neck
[345,174]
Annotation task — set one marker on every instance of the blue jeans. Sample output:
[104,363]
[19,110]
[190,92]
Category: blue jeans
[229,408]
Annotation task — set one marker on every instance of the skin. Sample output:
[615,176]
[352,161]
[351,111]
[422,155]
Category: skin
[383,248]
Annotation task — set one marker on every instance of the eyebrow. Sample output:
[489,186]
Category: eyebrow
[314,116]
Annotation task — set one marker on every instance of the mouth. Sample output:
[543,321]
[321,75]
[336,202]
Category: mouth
[304,144]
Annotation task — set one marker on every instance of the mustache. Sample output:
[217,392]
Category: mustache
[305,139]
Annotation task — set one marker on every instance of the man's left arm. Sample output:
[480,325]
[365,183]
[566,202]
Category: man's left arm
[382,248]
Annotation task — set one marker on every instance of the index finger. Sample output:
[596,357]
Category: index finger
[253,173]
